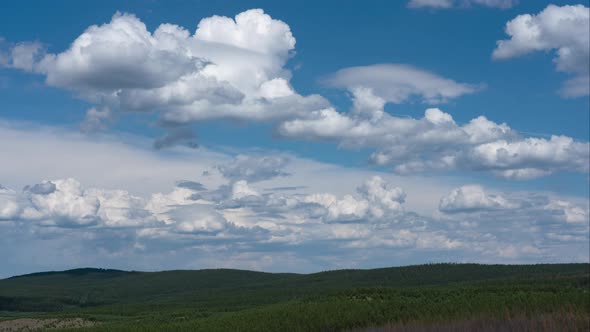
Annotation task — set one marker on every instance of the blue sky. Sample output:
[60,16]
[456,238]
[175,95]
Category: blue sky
[369,112]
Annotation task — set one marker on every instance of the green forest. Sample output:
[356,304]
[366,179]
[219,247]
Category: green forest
[413,298]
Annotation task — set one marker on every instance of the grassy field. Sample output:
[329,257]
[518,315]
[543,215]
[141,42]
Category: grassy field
[460,297]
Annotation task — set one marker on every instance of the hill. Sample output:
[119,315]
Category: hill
[224,296]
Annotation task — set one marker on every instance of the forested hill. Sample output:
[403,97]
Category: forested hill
[91,287]
[542,297]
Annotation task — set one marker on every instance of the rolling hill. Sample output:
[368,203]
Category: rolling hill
[332,300]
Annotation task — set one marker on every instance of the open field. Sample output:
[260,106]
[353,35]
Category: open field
[456,297]
[31,324]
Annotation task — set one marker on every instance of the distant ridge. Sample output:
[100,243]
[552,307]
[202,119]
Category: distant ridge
[506,268]
[76,272]
[225,290]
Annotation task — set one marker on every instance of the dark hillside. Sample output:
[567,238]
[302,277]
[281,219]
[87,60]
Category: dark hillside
[224,299]
[91,287]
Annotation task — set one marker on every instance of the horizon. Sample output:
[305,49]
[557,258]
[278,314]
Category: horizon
[274,137]
[267,272]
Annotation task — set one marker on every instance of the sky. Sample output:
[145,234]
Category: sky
[293,136]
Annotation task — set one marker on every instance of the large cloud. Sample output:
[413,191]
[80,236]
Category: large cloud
[436,142]
[65,203]
[564,29]
[229,68]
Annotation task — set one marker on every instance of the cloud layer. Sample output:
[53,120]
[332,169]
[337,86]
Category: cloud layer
[437,143]
[235,68]
[238,219]
[246,212]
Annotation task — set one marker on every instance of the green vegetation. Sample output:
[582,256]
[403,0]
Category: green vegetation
[234,300]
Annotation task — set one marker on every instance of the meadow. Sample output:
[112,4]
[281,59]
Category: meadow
[458,297]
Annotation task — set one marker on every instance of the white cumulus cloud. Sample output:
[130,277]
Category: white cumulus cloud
[228,68]
[378,200]
[565,30]
[472,198]
[66,203]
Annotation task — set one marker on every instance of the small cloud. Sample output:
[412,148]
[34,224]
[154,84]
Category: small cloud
[192,185]
[176,136]
[96,119]
[254,168]
[447,4]
[398,83]
[473,198]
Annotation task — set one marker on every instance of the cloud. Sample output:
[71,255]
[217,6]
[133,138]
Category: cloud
[430,3]
[161,204]
[4,57]
[198,219]
[382,196]
[96,119]
[67,204]
[229,68]
[528,224]
[436,142]
[569,211]
[44,188]
[240,190]
[252,30]
[514,207]
[32,153]
[175,136]
[9,206]
[564,29]
[254,168]
[445,4]
[377,200]
[347,209]
[397,83]
[472,198]
[119,208]
[24,56]
[531,157]
[120,55]
[192,185]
